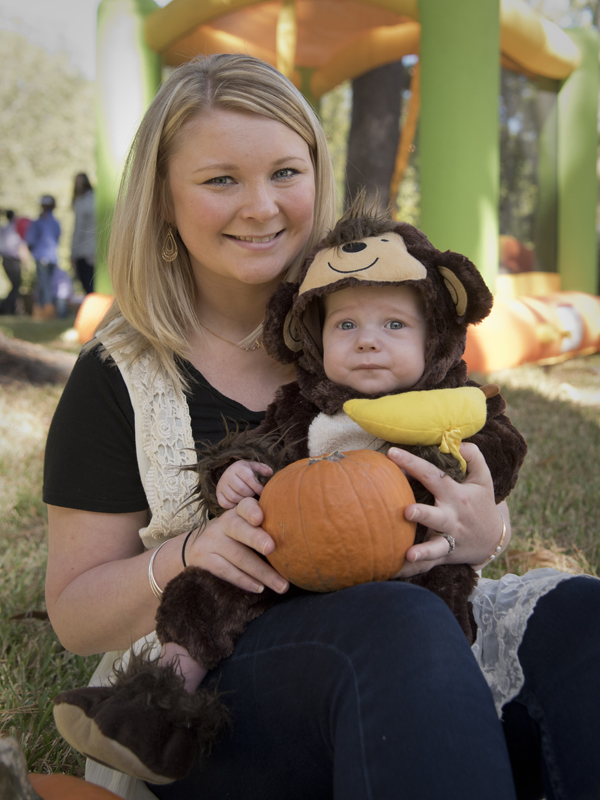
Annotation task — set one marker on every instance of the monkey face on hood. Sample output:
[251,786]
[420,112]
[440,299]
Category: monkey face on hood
[369,249]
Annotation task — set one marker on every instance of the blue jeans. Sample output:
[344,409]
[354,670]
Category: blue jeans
[45,292]
[371,692]
[553,726]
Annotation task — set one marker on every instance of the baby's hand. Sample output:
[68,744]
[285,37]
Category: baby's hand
[239,481]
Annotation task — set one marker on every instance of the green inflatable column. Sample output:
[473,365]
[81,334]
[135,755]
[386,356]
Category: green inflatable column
[459,130]
[128,75]
[577,180]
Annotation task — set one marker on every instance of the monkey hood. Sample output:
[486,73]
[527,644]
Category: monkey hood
[372,250]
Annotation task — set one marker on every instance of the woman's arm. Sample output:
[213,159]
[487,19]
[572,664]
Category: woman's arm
[97,589]
[467,511]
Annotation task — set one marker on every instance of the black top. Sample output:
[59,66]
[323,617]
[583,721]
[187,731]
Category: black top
[91,461]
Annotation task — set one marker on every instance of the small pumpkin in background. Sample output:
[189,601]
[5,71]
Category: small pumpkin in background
[67,787]
[338,520]
[16,783]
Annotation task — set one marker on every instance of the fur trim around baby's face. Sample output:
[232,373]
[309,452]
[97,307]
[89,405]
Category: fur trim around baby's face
[372,250]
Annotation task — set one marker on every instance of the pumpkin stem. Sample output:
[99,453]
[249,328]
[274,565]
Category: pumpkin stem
[337,455]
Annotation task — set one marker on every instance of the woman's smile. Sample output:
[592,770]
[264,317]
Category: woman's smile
[254,239]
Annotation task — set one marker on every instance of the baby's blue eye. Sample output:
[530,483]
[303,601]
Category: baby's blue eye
[346,325]
[395,325]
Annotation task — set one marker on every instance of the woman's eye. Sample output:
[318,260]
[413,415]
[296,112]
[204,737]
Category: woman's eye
[287,172]
[221,180]
[395,325]
[346,325]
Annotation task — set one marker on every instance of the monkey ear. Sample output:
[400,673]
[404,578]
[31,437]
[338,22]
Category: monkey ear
[470,295]
[281,335]
[291,333]
[458,293]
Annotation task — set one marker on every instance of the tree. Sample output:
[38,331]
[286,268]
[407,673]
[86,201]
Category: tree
[375,130]
[46,130]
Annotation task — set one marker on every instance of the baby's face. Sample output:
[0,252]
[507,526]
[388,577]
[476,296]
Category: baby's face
[374,338]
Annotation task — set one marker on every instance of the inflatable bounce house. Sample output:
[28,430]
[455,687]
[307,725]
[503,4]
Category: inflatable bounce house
[546,307]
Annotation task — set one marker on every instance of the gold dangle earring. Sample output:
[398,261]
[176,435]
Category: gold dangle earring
[169,251]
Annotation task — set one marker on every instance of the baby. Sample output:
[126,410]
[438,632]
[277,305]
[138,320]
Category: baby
[378,311]
[373,342]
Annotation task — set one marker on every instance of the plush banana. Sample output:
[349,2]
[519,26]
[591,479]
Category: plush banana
[442,417]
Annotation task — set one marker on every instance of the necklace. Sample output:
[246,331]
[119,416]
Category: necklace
[255,346]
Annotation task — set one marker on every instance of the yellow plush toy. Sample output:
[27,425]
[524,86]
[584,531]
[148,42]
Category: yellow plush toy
[442,417]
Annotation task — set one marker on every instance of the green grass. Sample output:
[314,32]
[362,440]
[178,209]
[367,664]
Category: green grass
[47,332]
[34,667]
[555,514]
[554,508]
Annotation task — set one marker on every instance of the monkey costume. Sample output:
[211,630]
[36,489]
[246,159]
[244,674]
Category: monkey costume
[146,724]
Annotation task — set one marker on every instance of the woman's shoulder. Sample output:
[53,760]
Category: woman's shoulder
[91,460]
[97,381]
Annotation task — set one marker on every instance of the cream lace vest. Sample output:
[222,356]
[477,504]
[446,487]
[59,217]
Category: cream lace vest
[164,444]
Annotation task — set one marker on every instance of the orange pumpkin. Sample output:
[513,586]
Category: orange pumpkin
[67,787]
[338,520]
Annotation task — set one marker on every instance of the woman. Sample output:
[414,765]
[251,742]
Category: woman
[363,693]
[83,245]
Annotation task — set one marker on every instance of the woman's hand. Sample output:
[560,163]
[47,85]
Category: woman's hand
[466,511]
[228,547]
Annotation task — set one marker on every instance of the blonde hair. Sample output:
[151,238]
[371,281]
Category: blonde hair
[154,301]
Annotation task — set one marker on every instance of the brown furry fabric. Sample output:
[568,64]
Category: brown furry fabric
[145,716]
[207,615]
[143,679]
[453,583]
[272,449]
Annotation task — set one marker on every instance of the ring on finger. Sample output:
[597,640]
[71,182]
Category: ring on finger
[450,539]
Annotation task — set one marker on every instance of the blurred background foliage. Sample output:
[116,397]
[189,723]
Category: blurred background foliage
[47,131]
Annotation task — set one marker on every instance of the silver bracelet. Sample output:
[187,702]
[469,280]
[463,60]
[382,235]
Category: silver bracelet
[498,550]
[156,590]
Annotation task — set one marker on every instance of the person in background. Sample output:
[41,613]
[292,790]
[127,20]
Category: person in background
[42,239]
[83,247]
[11,246]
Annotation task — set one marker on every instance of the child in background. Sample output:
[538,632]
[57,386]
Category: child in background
[42,239]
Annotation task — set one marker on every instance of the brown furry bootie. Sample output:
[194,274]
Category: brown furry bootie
[145,725]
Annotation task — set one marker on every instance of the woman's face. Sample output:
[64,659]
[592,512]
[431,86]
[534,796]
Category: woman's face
[243,191]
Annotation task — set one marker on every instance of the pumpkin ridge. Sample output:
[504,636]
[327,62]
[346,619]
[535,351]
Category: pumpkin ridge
[307,539]
[350,484]
[391,529]
[366,521]
[381,492]
[333,544]
[378,566]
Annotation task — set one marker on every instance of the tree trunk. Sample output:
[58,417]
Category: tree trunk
[33,363]
[375,131]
